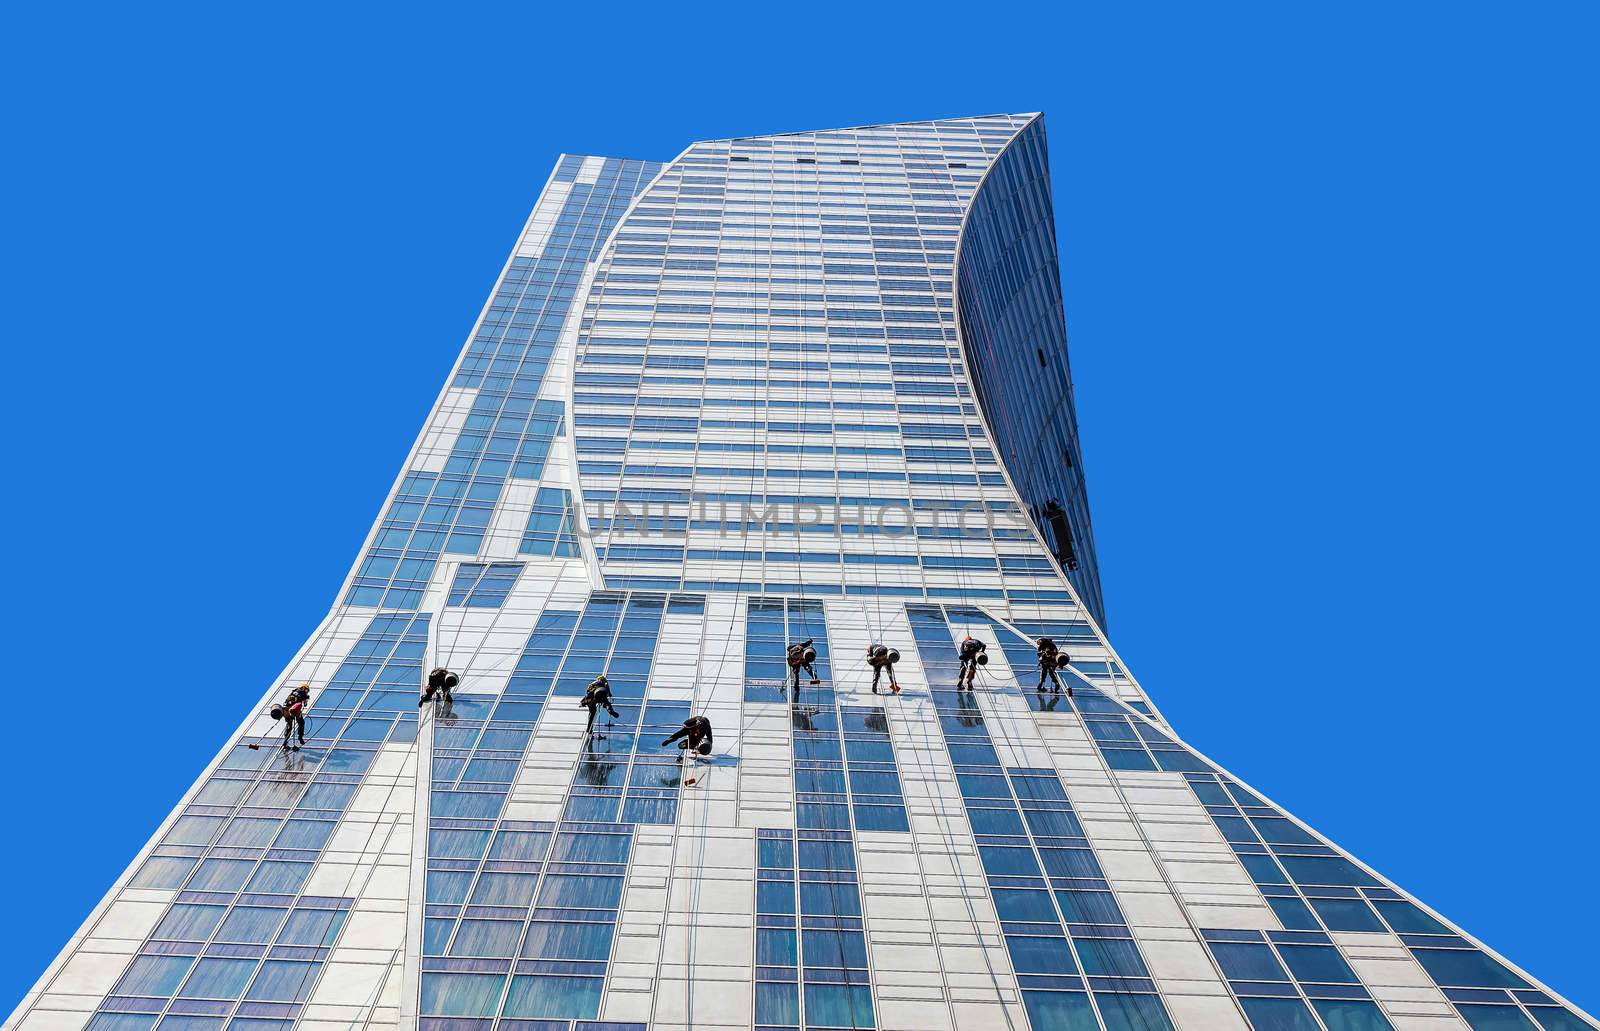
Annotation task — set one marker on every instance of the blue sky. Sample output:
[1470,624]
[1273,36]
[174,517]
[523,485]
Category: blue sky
[1330,278]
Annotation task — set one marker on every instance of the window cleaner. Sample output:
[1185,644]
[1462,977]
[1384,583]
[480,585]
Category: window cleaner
[974,653]
[293,714]
[694,736]
[1056,516]
[801,656]
[596,697]
[1051,659]
[440,681]
[880,658]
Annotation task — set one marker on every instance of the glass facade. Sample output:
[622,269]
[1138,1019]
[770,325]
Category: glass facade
[808,389]
[1012,324]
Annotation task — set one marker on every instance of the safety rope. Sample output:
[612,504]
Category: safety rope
[947,836]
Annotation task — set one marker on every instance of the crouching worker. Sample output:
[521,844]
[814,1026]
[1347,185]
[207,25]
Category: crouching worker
[440,681]
[693,736]
[597,697]
[293,714]
[1051,659]
[800,657]
[974,653]
[881,658]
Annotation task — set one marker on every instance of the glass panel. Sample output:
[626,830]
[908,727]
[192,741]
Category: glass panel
[550,940]
[1031,955]
[1114,957]
[504,889]
[1406,918]
[1316,963]
[1060,1011]
[1242,961]
[487,938]
[120,1022]
[1552,1019]
[777,1004]
[1279,1015]
[284,981]
[461,995]
[252,924]
[154,975]
[832,1005]
[775,948]
[312,927]
[1495,1018]
[1350,1015]
[554,997]
[219,978]
[1132,1012]
[186,922]
[1346,915]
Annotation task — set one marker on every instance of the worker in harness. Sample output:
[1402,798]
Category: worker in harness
[693,737]
[1056,516]
[801,656]
[882,658]
[1051,659]
[974,653]
[293,714]
[596,697]
[440,681]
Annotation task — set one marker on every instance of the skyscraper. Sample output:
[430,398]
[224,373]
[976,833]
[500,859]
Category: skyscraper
[809,388]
